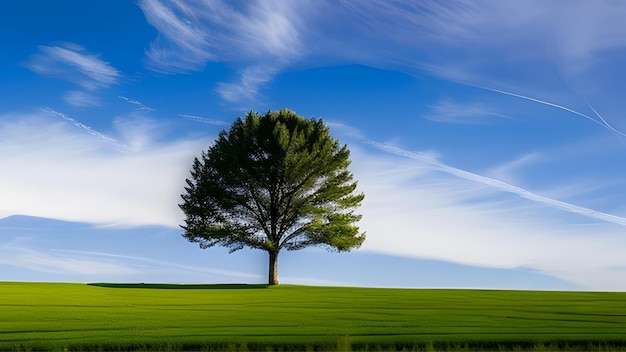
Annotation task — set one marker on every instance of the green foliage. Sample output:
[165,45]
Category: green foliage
[75,317]
[272,182]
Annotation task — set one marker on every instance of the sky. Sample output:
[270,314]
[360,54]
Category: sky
[487,136]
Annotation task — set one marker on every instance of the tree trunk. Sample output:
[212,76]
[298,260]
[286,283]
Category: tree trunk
[273,272]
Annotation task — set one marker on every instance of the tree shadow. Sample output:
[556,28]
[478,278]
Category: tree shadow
[180,286]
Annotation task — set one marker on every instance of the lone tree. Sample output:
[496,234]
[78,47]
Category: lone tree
[272,182]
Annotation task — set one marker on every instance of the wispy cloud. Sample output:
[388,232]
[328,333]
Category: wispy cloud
[462,217]
[18,253]
[90,265]
[448,110]
[194,33]
[54,171]
[547,49]
[417,207]
[82,99]
[138,132]
[509,171]
[189,47]
[72,62]
[156,264]
[435,164]
[568,36]
[248,84]
[346,130]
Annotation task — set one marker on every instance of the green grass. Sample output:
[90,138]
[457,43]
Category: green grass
[44,316]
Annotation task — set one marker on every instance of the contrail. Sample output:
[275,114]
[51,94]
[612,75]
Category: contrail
[524,193]
[602,121]
[135,102]
[81,125]
[204,120]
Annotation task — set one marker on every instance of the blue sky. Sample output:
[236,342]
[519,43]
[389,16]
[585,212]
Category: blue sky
[488,136]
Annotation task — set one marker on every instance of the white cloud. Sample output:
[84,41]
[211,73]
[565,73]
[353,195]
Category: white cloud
[509,171]
[260,37]
[22,252]
[447,110]
[149,264]
[82,99]
[186,47]
[246,88]
[568,35]
[415,205]
[17,253]
[137,132]
[272,28]
[552,52]
[53,170]
[412,209]
[195,32]
[434,164]
[346,130]
[71,62]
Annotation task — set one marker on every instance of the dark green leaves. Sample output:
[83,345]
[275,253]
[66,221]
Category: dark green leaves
[271,182]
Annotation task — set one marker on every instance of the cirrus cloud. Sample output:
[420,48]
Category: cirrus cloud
[72,62]
[77,174]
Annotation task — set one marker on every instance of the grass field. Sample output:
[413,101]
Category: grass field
[45,316]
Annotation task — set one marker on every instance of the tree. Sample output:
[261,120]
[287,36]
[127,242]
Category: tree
[272,182]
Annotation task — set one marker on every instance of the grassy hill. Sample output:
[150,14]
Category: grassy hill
[238,317]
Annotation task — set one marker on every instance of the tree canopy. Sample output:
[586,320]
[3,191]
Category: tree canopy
[272,182]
